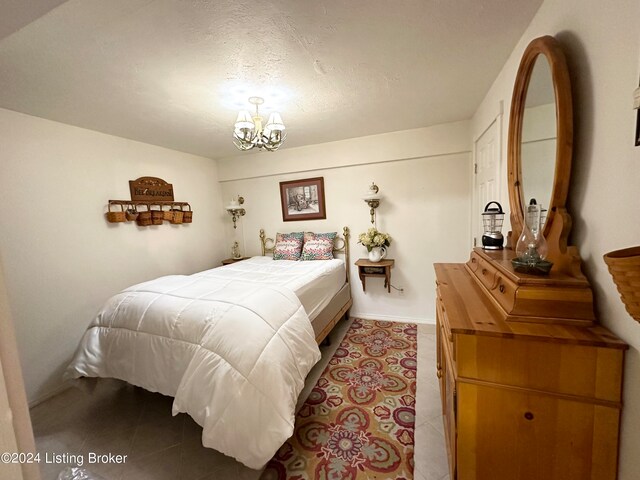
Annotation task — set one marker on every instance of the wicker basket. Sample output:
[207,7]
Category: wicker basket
[144,218]
[167,215]
[157,216]
[624,267]
[115,217]
[131,213]
[188,214]
[178,216]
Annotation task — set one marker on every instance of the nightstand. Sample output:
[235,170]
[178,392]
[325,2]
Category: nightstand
[382,269]
[228,261]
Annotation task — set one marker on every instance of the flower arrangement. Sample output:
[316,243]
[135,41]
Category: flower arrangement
[373,238]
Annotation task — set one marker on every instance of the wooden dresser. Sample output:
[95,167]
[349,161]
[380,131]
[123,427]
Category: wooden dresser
[530,383]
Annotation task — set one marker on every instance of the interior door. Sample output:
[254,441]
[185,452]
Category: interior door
[486,153]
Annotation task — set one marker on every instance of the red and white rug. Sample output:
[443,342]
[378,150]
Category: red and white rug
[358,422]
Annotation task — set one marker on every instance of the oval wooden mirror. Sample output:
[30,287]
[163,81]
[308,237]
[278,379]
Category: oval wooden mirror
[541,146]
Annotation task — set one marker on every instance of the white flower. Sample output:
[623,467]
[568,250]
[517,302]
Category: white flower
[373,238]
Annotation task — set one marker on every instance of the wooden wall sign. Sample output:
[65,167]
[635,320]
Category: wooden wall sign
[150,189]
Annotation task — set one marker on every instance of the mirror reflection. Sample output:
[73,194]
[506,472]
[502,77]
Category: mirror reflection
[539,134]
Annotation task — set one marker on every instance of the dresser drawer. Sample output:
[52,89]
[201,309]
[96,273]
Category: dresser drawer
[591,373]
[499,286]
[483,271]
[504,292]
[523,435]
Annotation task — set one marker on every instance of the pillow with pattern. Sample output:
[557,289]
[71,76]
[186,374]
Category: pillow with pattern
[288,246]
[313,236]
[318,246]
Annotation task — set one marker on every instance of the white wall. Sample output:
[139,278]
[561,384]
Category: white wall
[424,175]
[602,44]
[61,258]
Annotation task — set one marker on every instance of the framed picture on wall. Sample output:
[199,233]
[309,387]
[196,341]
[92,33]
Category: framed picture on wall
[303,199]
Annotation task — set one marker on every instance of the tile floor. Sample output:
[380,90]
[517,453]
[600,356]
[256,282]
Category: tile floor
[119,419]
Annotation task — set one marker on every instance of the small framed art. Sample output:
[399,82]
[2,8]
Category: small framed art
[302,199]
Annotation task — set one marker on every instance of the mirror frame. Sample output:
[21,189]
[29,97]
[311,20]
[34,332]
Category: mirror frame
[548,47]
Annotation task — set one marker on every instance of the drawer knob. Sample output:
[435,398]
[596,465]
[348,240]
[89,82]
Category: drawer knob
[473,260]
[528,415]
[501,288]
[484,271]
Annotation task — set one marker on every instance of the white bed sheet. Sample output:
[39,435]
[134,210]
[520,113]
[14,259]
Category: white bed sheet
[314,282]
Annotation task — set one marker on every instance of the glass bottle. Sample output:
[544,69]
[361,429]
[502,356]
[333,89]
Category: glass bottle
[532,246]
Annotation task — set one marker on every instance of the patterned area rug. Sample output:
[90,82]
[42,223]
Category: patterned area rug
[358,421]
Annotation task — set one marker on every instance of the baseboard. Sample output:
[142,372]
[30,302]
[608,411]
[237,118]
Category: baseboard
[64,386]
[393,318]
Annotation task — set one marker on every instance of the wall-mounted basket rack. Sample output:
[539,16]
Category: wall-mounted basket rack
[146,213]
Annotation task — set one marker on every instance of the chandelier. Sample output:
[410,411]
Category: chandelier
[248,130]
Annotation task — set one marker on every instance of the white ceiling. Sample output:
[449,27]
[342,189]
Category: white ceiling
[174,73]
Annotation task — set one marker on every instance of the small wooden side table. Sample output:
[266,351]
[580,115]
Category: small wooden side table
[382,269]
[228,261]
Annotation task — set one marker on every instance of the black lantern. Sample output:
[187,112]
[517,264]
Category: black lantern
[492,219]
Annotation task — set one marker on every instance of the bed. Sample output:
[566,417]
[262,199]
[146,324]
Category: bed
[334,307]
[232,345]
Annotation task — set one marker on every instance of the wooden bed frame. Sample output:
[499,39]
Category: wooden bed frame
[340,304]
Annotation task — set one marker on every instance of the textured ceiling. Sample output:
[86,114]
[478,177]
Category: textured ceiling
[174,73]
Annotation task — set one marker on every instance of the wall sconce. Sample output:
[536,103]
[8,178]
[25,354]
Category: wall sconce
[372,198]
[235,209]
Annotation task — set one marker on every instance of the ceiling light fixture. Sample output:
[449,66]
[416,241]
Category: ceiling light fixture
[248,131]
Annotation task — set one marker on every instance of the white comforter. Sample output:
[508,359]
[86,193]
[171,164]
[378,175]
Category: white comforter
[234,356]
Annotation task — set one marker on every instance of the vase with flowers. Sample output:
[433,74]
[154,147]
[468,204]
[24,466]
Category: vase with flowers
[376,243]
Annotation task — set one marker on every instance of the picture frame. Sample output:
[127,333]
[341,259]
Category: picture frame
[302,199]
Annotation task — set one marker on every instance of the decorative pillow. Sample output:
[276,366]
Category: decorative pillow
[313,236]
[318,246]
[288,246]
[288,236]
